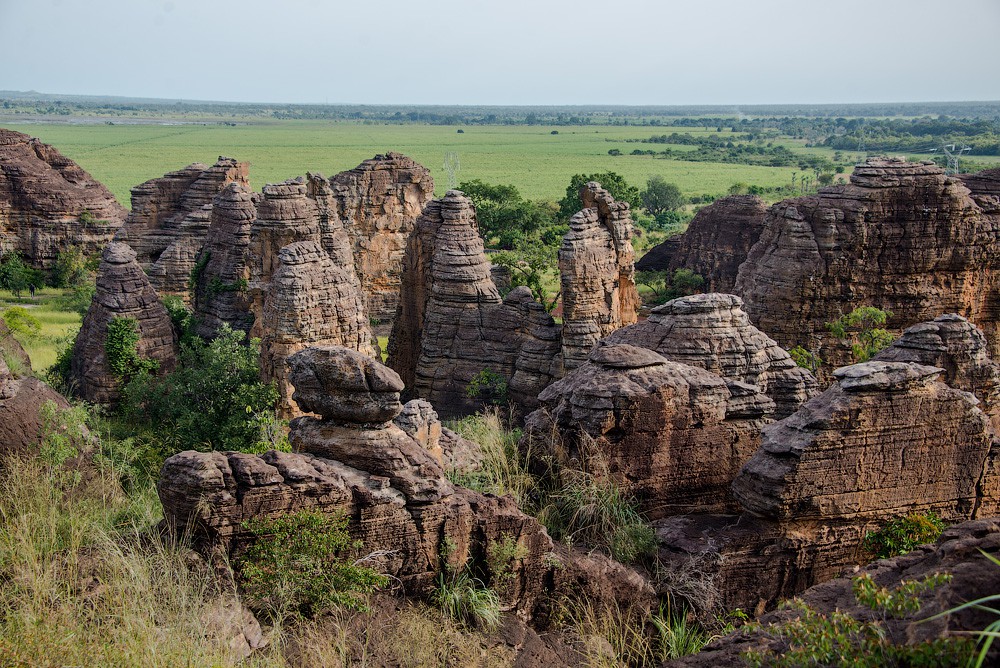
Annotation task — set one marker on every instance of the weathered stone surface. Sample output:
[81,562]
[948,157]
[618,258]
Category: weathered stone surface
[959,348]
[886,440]
[21,398]
[378,202]
[712,331]
[222,286]
[344,385]
[662,430]
[309,301]
[123,291]
[901,236]
[171,211]
[957,553]
[452,323]
[43,195]
[715,244]
[597,272]
[420,422]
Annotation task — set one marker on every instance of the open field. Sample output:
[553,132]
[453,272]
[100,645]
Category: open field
[58,324]
[538,162]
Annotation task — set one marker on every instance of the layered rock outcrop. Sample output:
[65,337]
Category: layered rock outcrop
[452,323]
[49,204]
[355,460]
[670,435]
[597,273]
[712,331]
[715,244]
[170,218]
[902,236]
[887,439]
[123,291]
[378,202]
[308,301]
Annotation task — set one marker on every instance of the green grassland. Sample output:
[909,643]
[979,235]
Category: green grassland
[538,162]
[58,323]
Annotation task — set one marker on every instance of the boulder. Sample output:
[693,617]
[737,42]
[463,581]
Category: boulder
[48,203]
[123,291]
[21,399]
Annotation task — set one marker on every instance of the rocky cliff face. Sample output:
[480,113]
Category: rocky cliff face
[170,218]
[715,244]
[712,331]
[597,272]
[672,436]
[309,301]
[452,323]
[123,291]
[378,202]
[48,203]
[354,459]
[887,439]
[901,236]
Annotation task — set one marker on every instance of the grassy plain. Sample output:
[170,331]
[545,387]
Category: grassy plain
[58,325]
[538,162]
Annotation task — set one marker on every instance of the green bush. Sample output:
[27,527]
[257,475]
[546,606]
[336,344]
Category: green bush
[902,534]
[806,359]
[864,326]
[488,387]
[180,317]
[121,349]
[71,269]
[21,322]
[214,400]
[298,565]
[16,275]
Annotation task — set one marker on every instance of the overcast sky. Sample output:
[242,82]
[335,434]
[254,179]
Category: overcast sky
[506,51]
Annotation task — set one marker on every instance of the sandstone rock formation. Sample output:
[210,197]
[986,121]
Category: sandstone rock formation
[672,436]
[170,218]
[452,323]
[355,460]
[712,331]
[715,244]
[11,350]
[902,236]
[597,272]
[887,439]
[48,203]
[958,552]
[221,286]
[378,202]
[123,291]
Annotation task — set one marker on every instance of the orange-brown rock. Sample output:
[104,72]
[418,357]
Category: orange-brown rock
[712,331]
[123,291]
[308,301]
[670,435]
[396,495]
[901,236]
[887,439]
[597,272]
[171,211]
[715,244]
[452,323]
[49,204]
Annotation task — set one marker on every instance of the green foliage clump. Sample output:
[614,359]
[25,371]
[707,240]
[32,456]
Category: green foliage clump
[865,327]
[199,266]
[467,600]
[121,349]
[504,217]
[297,565]
[72,268]
[837,639]
[806,359]
[488,387]
[78,298]
[21,322]
[16,275]
[214,400]
[902,534]
[504,469]
[501,557]
[180,317]
[614,183]
[666,286]
[64,433]
[529,263]
[660,197]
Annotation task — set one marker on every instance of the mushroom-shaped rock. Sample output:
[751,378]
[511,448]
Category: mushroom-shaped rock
[344,385]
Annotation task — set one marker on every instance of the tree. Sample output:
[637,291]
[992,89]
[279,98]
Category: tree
[660,196]
[15,275]
[504,217]
[528,262]
[614,183]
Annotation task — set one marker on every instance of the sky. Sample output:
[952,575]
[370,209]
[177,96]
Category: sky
[509,52]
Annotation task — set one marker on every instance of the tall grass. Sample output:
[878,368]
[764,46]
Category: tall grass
[504,469]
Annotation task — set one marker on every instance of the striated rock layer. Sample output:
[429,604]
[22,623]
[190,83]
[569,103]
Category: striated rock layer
[670,435]
[452,323]
[715,244]
[123,291]
[887,439]
[597,272]
[712,331]
[48,203]
[902,236]
[411,519]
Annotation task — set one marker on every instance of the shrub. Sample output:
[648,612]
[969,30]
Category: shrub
[297,565]
[180,317]
[806,359]
[21,322]
[121,349]
[64,433]
[214,400]
[488,387]
[16,275]
[864,326]
[71,269]
[902,534]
